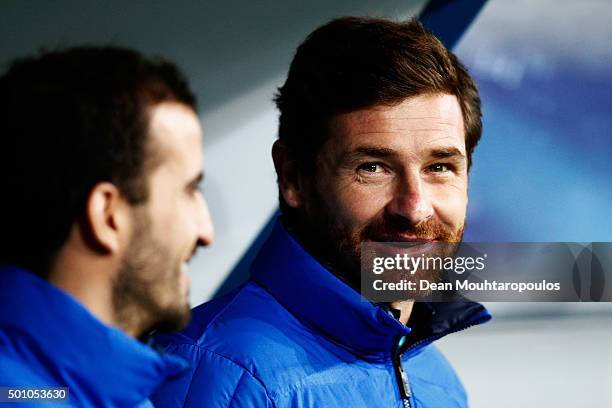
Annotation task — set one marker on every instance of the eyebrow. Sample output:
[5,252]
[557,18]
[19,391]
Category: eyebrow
[378,152]
[445,153]
[195,182]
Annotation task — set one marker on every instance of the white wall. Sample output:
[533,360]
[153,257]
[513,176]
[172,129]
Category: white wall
[535,363]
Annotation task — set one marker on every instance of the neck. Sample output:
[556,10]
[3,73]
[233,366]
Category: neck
[405,308]
[90,291]
[89,278]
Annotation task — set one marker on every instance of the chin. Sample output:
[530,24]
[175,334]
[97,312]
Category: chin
[173,319]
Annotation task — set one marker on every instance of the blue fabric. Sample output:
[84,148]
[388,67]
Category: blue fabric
[48,339]
[297,336]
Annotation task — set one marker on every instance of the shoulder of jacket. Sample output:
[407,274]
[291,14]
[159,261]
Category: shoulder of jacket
[213,368]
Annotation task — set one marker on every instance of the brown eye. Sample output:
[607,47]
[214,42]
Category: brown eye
[370,167]
[439,168]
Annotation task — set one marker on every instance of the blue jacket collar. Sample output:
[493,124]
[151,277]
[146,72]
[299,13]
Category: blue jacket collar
[102,359]
[329,306]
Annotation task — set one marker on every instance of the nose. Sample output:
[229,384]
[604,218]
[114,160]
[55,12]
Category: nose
[206,230]
[411,200]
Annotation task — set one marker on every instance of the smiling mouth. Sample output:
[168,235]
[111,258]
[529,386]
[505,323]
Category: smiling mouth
[402,245]
[406,240]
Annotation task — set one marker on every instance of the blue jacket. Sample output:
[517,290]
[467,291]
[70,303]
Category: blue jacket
[47,339]
[297,336]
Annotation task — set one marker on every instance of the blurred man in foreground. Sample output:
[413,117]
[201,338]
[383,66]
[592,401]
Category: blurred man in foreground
[101,160]
[378,122]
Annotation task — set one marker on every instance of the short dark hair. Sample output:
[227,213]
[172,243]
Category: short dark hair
[352,63]
[70,119]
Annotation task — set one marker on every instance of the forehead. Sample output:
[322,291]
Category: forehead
[176,135]
[417,121]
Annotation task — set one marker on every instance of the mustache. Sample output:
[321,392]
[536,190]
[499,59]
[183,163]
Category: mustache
[390,228]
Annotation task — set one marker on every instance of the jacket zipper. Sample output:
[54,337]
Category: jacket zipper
[401,376]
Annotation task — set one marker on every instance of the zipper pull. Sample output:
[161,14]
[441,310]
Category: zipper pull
[405,390]
[402,377]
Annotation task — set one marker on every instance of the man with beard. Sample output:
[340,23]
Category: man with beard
[101,160]
[378,122]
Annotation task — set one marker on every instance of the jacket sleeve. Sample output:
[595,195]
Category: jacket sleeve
[213,381]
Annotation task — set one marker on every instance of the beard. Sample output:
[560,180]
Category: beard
[319,228]
[146,293]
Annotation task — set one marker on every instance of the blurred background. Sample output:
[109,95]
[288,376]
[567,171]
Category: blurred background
[541,171]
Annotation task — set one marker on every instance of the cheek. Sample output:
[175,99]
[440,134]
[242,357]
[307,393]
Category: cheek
[166,217]
[354,204]
[162,198]
[450,204]
[181,218]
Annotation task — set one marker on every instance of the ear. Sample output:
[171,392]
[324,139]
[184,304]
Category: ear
[107,216]
[289,181]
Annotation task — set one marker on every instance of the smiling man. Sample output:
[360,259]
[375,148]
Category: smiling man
[101,160]
[378,123]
